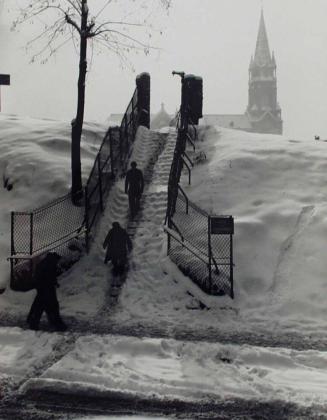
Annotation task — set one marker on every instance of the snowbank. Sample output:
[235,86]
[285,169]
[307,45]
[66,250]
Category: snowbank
[23,352]
[35,167]
[275,189]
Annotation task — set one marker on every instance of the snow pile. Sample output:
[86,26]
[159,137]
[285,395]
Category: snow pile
[114,366]
[35,167]
[275,189]
[23,352]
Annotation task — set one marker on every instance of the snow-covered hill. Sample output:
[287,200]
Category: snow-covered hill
[35,167]
[274,188]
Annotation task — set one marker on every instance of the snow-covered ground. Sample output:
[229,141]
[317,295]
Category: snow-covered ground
[274,188]
[175,370]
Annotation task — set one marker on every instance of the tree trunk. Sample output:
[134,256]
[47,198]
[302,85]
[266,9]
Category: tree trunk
[77,123]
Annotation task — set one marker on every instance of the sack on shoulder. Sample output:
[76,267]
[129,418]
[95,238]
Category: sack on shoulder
[22,278]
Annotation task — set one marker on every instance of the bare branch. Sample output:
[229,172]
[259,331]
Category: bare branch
[73,23]
[118,33]
[78,10]
[103,8]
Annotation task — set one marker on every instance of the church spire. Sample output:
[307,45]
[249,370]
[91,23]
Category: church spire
[262,52]
[263,109]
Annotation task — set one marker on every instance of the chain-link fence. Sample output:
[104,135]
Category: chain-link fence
[67,228]
[128,129]
[202,255]
[200,244]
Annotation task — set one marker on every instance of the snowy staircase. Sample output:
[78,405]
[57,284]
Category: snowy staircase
[147,150]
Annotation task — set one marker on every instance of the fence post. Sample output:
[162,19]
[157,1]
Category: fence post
[143,99]
[231,270]
[112,161]
[86,220]
[31,233]
[209,253]
[100,181]
[12,250]
[168,240]
[31,242]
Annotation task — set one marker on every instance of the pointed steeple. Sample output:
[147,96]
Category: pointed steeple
[262,53]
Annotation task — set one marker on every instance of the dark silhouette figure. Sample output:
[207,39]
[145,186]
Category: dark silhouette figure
[134,185]
[46,297]
[118,243]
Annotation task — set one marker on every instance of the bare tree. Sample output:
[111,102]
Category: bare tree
[71,20]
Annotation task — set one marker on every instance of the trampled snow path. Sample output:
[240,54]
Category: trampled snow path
[167,376]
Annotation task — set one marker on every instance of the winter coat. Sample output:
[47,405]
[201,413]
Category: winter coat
[46,274]
[134,182]
[117,243]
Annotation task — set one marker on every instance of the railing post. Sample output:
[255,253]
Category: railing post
[31,232]
[231,270]
[143,99]
[12,250]
[209,253]
[112,161]
[31,242]
[121,138]
[86,220]
[168,243]
[100,182]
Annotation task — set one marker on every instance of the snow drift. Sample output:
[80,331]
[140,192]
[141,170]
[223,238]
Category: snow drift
[275,189]
[35,167]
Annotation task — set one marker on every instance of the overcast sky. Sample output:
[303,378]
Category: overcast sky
[211,38]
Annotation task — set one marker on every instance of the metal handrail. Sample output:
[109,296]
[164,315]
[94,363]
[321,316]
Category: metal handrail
[188,169]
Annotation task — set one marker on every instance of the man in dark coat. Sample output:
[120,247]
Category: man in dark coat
[134,185]
[46,297]
[118,243]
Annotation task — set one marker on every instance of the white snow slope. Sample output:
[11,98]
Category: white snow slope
[35,161]
[274,188]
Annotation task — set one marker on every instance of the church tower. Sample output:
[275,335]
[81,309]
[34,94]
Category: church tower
[263,109]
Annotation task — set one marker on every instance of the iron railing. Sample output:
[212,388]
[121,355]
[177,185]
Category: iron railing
[202,253]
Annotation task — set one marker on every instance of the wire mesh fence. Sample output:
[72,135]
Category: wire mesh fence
[128,129]
[201,255]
